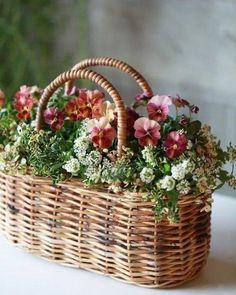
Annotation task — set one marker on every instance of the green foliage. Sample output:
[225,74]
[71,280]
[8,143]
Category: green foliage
[45,152]
[28,31]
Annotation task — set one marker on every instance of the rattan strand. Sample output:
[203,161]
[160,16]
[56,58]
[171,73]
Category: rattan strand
[114,63]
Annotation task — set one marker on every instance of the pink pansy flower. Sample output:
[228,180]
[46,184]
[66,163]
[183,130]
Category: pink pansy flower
[54,117]
[175,144]
[24,91]
[25,100]
[101,132]
[158,107]
[147,131]
[142,96]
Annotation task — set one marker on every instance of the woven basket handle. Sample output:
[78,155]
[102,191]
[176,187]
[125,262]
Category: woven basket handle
[102,82]
[115,63]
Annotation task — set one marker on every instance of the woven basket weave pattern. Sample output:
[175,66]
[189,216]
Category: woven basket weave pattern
[112,234]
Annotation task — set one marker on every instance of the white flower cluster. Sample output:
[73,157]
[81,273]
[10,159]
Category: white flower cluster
[183,187]
[167,183]
[81,146]
[93,173]
[148,154]
[180,170]
[72,166]
[147,175]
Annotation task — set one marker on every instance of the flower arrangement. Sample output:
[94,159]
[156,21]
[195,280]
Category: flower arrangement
[166,156]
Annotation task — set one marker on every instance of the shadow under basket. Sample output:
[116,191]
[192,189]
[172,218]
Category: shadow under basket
[113,234]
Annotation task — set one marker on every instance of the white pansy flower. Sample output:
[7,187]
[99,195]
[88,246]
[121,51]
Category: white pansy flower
[147,175]
[167,183]
[72,166]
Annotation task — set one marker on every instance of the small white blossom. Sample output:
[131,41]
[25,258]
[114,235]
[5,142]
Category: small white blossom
[93,173]
[72,166]
[2,166]
[188,165]
[183,187]
[94,158]
[149,155]
[178,172]
[189,145]
[147,175]
[167,183]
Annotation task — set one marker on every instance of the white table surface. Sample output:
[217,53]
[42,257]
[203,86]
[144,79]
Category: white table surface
[24,274]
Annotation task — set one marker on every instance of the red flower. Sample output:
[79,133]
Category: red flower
[87,105]
[179,102]
[158,107]
[54,117]
[147,131]
[175,144]
[101,132]
[132,116]
[2,98]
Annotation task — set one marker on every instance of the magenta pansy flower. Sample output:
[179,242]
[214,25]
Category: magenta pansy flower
[101,132]
[175,144]
[158,107]
[147,131]
[194,109]
[54,117]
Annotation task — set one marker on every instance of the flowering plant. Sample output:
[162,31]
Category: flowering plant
[165,157]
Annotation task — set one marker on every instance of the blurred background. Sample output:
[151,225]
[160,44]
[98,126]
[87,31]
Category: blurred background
[181,46]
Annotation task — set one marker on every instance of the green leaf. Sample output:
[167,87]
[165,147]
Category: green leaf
[194,127]
[173,195]
[167,167]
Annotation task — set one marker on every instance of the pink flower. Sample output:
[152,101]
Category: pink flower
[147,131]
[2,98]
[158,107]
[25,91]
[101,132]
[54,117]
[24,101]
[142,96]
[175,144]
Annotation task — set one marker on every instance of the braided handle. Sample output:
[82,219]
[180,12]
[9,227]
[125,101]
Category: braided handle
[115,63]
[102,82]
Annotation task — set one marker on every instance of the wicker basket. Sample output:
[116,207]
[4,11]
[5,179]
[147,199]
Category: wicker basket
[113,234]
